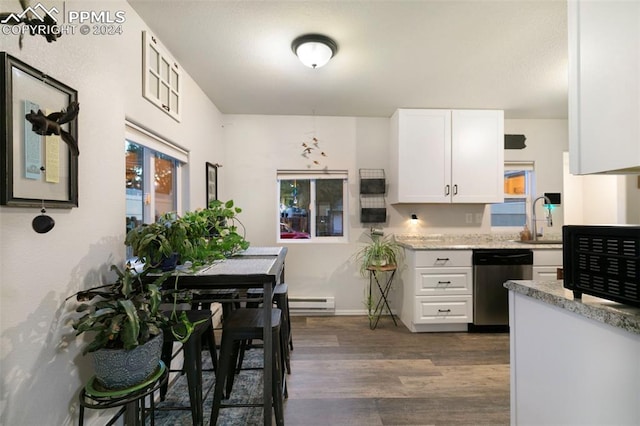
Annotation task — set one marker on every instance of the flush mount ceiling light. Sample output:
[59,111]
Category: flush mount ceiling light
[314,50]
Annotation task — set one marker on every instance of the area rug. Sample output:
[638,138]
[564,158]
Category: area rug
[247,389]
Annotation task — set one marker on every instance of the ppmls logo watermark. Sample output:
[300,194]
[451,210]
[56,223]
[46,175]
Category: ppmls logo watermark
[51,23]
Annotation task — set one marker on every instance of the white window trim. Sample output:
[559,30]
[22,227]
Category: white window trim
[315,175]
[148,40]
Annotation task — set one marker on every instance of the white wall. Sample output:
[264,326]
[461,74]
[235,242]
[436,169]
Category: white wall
[41,366]
[601,199]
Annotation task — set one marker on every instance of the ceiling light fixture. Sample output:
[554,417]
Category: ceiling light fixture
[314,50]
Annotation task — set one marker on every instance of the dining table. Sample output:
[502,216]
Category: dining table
[255,267]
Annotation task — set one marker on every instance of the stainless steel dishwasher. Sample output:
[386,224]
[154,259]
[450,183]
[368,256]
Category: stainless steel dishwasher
[491,268]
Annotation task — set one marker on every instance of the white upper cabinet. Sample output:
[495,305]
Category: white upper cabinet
[604,86]
[445,156]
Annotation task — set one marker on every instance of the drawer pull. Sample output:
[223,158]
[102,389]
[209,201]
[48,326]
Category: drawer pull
[444,282]
[442,259]
[444,310]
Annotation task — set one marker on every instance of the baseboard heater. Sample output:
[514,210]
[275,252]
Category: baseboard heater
[312,305]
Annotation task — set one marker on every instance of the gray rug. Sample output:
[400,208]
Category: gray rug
[247,389]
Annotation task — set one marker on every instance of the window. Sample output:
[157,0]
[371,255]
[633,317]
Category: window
[312,206]
[161,81]
[152,176]
[518,187]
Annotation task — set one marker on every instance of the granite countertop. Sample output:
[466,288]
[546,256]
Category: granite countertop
[472,241]
[618,315]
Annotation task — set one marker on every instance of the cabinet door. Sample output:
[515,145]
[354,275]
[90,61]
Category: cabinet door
[477,154]
[604,86]
[420,156]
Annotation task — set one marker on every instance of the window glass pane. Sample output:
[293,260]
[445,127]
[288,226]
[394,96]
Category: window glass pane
[164,70]
[164,94]
[295,196]
[515,182]
[329,208]
[164,184]
[510,213]
[134,184]
[174,80]
[174,102]
[154,85]
[154,59]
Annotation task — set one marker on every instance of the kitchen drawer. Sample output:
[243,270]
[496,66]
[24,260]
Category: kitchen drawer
[547,257]
[443,281]
[443,309]
[440,258]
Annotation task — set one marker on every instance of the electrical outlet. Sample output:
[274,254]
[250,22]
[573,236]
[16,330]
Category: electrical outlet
[478,217]
[469,217]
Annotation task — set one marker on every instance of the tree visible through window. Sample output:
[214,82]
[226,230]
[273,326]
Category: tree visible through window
[312,206]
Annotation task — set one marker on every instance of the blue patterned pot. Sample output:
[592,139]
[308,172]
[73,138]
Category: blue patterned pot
[120,368]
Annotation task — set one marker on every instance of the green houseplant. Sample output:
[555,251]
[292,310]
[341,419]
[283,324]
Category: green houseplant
[127,325]
[382,250]
[215,232]
[161,244]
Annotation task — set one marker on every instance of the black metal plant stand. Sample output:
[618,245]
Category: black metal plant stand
[132,401]
[374,272]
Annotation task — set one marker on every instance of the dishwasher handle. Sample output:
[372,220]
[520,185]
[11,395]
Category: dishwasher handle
[503,257]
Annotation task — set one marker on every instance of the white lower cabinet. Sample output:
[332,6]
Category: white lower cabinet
[437,290]
[546,264]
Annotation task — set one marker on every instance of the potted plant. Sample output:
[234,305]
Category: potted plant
[214,231]
[161,244]
[381,251]
[128,325]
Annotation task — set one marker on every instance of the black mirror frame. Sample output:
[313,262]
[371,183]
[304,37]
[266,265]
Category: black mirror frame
[7,142]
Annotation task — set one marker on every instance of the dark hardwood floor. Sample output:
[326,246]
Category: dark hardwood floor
[346,374]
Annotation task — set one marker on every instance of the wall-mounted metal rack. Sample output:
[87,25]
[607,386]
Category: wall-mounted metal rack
[373,187]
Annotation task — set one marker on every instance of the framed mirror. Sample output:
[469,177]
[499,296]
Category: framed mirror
[36,169]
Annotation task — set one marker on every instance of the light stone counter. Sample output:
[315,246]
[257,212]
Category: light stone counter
[615,314]
[471,241]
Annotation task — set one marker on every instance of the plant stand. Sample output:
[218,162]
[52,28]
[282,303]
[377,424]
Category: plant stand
[374,276]
[132,400]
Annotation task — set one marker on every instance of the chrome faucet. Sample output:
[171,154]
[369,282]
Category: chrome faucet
[533,215]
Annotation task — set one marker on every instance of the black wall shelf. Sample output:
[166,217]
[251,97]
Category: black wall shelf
[373,185]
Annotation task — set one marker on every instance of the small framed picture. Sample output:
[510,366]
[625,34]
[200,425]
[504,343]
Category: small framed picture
[212,182]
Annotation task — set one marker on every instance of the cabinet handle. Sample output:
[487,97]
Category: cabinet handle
[442,259]
[444,282]
[455,189]
[447,190]
[444,310]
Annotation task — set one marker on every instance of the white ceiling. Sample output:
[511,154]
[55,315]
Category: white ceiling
[502,54]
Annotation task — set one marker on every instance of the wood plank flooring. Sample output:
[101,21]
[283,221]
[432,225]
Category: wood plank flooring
[346,374]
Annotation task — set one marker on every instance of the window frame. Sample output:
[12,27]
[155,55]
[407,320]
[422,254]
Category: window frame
[152,143]
[313,177]
[528,166]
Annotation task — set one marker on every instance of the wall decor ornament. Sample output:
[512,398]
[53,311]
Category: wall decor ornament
[39,138]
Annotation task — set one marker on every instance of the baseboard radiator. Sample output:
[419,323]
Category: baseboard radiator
[312,305]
